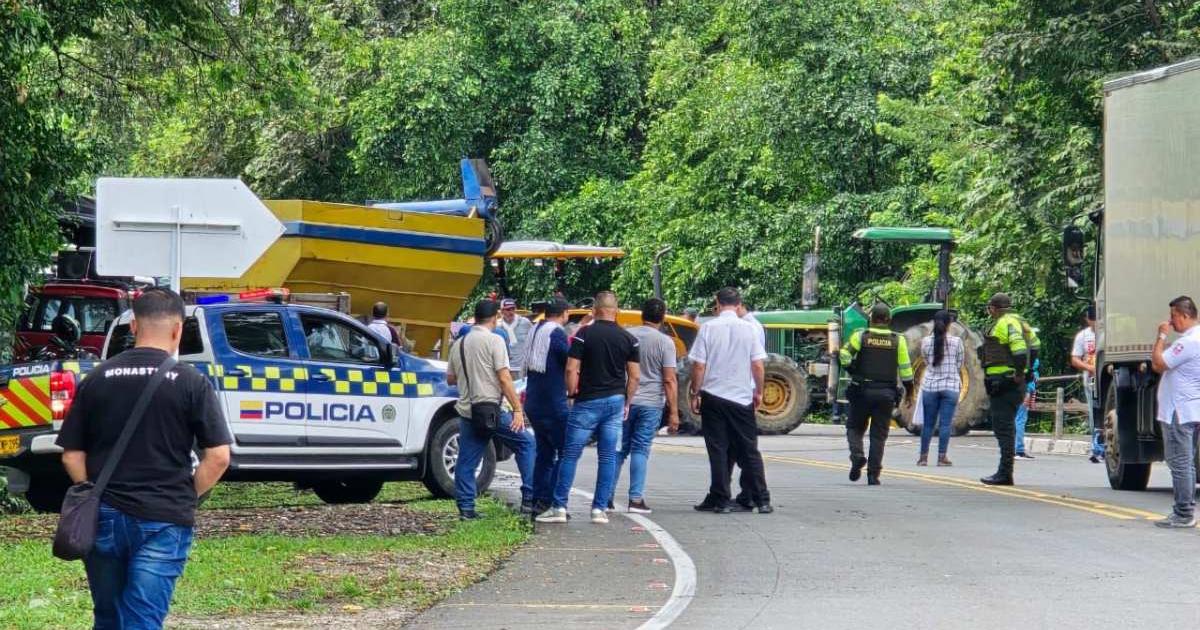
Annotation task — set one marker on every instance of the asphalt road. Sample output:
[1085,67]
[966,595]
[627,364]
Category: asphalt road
[930,548]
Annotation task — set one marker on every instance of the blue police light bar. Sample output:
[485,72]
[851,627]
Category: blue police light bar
[212,299]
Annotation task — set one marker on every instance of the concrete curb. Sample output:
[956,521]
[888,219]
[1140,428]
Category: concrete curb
[1050,446]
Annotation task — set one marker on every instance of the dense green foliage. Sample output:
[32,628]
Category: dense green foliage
[727,129]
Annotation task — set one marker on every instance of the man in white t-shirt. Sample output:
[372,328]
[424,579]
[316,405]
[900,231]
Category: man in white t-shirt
[1179,406]
[1083,358]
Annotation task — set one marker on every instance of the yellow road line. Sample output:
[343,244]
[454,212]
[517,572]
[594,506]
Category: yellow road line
[1074,503]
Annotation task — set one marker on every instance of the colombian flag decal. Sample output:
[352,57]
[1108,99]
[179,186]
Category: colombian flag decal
[251,410]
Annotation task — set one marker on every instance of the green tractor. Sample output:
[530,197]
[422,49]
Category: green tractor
[802,368]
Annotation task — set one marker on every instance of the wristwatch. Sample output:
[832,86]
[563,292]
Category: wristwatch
[1162,336]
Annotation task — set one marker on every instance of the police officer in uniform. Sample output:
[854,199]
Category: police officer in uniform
[1006,361]
[876,359]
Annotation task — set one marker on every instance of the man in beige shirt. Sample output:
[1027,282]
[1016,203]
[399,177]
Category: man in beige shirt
[478,365]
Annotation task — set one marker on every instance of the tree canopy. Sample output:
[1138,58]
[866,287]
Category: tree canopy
[728,129]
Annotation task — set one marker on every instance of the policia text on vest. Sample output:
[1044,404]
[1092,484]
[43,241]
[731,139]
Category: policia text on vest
[1007,354]
[877,360]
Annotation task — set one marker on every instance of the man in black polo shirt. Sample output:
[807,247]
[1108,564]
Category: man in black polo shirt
[149,507]
[602,376]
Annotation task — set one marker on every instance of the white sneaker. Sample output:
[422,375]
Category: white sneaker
[553,515]
[599,517]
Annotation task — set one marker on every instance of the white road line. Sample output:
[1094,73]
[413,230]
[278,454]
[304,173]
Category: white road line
[685,570]
[685,575]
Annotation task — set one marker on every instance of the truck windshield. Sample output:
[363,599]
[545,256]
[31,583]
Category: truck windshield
[94,314]
[189,343]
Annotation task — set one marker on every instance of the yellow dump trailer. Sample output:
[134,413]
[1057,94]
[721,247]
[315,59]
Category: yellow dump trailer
[423,265]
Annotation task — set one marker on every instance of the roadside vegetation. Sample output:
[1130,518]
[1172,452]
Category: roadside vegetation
[265,552]
[728,129]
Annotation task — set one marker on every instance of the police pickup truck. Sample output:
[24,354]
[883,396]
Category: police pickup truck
[311,396]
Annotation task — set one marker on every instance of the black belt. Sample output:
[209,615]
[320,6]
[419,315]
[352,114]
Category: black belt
[879,384]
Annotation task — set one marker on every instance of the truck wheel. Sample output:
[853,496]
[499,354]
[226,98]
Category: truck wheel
[348,490]
[46,495]
[972,399]
[443,457]
[688,421]
[1121,476]
[493,235]
[785,396]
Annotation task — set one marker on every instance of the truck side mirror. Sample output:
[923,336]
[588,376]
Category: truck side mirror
[1072,253]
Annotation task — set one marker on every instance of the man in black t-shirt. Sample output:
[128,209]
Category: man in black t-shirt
[602,376]
[149,507]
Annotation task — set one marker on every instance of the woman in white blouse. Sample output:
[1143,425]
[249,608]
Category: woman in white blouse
[940,386]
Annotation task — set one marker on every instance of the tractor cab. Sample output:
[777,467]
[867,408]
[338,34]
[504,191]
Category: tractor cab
[915,321]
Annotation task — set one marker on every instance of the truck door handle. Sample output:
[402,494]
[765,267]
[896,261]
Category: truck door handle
[319,376]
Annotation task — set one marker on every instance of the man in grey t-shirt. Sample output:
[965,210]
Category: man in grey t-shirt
[478,367]
[656,386]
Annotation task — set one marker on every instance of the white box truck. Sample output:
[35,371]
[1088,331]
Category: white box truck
[1147,251]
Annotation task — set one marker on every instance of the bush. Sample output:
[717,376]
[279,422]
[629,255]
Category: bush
[8,503]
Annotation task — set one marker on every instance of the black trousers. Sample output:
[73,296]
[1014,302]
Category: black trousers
[747,494]
[1004,400]
[731,430]
[874,404]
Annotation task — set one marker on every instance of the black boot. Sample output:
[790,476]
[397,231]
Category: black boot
[856,467]
[998,480]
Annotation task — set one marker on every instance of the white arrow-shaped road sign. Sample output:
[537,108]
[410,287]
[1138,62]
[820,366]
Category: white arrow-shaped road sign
[208,228]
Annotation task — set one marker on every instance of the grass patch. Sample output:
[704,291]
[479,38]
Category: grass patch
[256,573]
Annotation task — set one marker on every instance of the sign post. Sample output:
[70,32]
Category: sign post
[212,228]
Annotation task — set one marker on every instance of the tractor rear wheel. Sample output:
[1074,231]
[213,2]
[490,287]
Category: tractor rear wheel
[785,396]
[972,398]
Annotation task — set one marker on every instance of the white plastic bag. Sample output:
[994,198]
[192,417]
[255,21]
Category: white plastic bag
[918,414]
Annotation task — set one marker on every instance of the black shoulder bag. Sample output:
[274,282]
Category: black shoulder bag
[81,507]
[485,416]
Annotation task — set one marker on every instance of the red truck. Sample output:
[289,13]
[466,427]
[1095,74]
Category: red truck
[94,304]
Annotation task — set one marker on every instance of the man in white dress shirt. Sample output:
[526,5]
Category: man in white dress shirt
[1179,406]
[726,387]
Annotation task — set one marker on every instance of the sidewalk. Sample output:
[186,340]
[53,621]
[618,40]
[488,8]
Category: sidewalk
[575,575]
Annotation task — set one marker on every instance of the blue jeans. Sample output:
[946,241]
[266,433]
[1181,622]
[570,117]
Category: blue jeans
[636,438]
[471,446]
[550,431]
[938,406]
[1021,418]
[603,416]
[132,569]
[1093,417]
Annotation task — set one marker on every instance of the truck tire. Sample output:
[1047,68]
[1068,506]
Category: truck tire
[46,495]
[785,396]
[972,399]
[1121,475]
[688,422]
[443,455]
[493,235]
[345,491]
